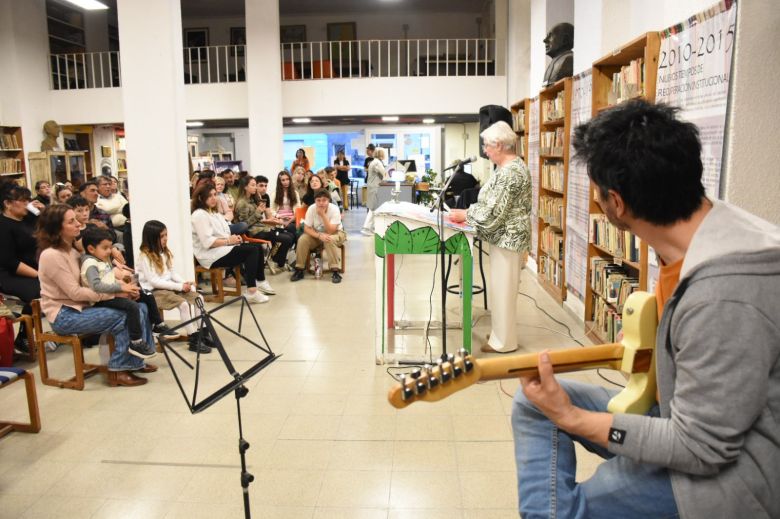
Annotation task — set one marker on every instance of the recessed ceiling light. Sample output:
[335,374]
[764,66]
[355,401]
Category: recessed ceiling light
[301,120]
[89,5]
[390,118]
[194,124]
[429,120]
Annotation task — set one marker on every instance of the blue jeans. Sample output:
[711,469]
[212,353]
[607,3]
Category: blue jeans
[105,320]
[547,465]
[238,228]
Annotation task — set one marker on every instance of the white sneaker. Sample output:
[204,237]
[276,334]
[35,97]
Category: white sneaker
[265,288]
[257,297]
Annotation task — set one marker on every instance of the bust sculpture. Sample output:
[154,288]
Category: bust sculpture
[558,45]
[52,131]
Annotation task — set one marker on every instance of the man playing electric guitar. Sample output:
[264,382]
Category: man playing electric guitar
[711,447]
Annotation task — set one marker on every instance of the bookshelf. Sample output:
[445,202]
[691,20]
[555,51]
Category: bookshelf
[554,130]
[617,260]
[12,155]
[66,36]
[520,112]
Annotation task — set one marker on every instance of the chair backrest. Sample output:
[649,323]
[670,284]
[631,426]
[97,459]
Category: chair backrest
[36,316]
[300,214]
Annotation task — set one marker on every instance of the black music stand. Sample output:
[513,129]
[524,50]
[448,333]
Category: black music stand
[206,320]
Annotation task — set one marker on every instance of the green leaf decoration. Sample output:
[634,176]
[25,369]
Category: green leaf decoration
[425,241]
[398,239]
[379,246]
[458,244]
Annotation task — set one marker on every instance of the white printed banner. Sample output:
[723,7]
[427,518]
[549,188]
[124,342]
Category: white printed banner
[577,192]
[533,167]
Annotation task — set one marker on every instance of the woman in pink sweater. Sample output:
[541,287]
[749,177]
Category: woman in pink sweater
[68,306]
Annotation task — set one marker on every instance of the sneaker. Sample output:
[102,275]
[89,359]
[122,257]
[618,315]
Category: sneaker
[336,277]
[229,282]
[265,288]
[140,349]
[257,297]
[297,275]
[21,345]
[164,330]
[366,232]
[197,343]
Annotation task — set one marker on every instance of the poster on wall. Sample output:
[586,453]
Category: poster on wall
[694,68]
[578,190]
[533,167]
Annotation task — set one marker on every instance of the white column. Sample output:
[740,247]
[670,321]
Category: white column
[264,87]
[150,39]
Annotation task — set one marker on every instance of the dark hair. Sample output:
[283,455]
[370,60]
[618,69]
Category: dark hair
[85,185]
[151,246]
[10,192]
[41,182]
[77,201]
[261,178]
[646,155]
[322,193]
[281,191]
[206,173]
[242,188]
[371,147]
[329,169]
[302,151]
[49,226]
[92,235]
[103,179]
[200,196]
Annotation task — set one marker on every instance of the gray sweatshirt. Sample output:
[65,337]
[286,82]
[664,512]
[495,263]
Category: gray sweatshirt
[718,366]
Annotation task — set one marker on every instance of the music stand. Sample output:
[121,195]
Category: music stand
[236,385]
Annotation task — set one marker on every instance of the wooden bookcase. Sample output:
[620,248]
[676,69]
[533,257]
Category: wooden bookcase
[12,155]
[520,112]
[553,169]
[67,39]
[606,71]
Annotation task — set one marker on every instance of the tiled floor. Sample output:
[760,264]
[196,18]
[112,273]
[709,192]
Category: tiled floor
[324,441]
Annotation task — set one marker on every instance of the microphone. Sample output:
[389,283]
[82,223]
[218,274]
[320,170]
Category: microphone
[459,163]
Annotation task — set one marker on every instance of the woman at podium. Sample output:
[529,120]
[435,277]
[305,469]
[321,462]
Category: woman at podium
[502,218]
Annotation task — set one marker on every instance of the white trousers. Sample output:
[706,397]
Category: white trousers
[504,282]
[369,223]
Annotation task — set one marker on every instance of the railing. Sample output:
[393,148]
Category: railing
[215,64]
[388,58]
[85,70]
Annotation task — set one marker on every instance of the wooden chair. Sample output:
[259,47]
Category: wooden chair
[27,321]
[218,290]
[82,369]
[7,377]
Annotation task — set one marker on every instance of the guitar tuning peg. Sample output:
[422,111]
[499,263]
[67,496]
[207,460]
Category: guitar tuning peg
[463,353]
[422,387]
[432,380]
[416,373]
[406,393]
[468,364]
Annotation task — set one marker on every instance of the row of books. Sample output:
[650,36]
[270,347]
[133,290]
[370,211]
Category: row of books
[10,166]
[520,147]
[553,109]
[553,175]
[121,163]
[551,210]
[611,282]
[629,82]
[551,241]
[518,121]
[621,244]
[550,270]
[607,321]
[551,143]
[8,141]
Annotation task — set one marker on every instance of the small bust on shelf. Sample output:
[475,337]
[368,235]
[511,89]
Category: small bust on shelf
[558,45]
[52,131]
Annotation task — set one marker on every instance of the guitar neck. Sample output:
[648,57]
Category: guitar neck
[574,359]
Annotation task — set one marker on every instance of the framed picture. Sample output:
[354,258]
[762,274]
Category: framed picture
[196,37]
[105,151]
[237,37]
[292,33]
[343,31]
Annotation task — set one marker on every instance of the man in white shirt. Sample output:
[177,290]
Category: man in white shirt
[321,228]
[110,202]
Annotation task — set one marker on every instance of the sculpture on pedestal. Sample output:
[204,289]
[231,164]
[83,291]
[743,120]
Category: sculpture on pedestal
[52,131]
[558,45]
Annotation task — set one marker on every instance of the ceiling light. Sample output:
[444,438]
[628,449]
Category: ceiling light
[194,124]
[429,120]
[301,120]
[89,5]
[390,118]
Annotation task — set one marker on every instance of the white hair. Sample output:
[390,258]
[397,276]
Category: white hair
[380,153]
[499,134]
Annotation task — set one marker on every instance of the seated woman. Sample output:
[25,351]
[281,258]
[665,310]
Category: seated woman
[315,185]
[261,223]
[214,246]
[299,181]
[18,254]
[286,201]
[225,206]
[68,306]
[62,193]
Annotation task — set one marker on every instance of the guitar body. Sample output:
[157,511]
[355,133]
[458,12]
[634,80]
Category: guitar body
[634,356]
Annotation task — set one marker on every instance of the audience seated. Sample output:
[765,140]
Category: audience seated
[299,181]
[225,206]
[286,200]
[315,184]
[62,193]
[43,192]
[110,202]
[321,228]
[231,185]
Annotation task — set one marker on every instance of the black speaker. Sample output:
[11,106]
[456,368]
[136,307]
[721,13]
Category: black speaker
[488,115]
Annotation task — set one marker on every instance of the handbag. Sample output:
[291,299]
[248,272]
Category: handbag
[6,342]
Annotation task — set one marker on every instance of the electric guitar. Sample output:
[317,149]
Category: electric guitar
[634,356]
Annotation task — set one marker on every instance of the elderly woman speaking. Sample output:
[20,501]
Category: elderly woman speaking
[501,217]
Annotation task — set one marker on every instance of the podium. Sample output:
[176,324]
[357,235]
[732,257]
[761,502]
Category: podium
[405,228]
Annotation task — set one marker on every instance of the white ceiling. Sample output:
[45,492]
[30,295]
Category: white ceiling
[230,8]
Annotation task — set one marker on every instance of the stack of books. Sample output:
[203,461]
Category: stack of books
[621,244]
[553,109]
[552,176]
[629,82]
[551,210]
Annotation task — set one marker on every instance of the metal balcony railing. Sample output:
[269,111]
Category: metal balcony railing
[215,64]
[85,70]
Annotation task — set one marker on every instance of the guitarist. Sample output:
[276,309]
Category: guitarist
[711,447]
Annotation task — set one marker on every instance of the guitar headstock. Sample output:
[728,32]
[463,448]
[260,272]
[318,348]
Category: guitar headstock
[435,382]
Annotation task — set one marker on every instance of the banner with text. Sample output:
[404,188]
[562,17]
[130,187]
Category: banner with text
[533,167]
